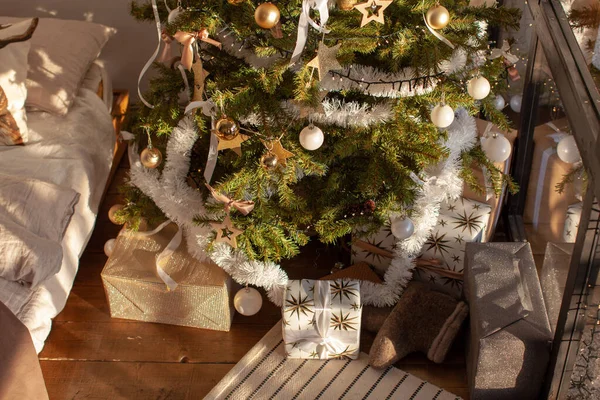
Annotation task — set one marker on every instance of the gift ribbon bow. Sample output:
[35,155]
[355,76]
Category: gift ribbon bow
[503,52]
[305,340]
[556,137]
[243,206]
[187,39]
[305,20]
[165,54]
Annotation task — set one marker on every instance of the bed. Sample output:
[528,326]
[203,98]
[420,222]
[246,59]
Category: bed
[76,151]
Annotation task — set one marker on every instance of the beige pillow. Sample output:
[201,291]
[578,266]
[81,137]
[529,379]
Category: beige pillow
[14,47]
[61,53]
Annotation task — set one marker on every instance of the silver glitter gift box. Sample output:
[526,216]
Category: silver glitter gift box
[202,298]
[509,340]
[557,259]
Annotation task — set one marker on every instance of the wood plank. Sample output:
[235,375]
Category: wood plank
[141,341]
[130,381]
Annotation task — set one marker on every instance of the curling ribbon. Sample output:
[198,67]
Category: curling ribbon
[153,57]
[187,39]
[542,177]
[243,206]
[305,19]
[437,34]
[163,257]
[503,52]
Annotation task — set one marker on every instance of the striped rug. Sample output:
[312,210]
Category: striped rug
[265,373]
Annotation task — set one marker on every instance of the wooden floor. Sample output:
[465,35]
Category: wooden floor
[88,355]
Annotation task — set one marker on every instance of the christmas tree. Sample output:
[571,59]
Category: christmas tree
[319,119]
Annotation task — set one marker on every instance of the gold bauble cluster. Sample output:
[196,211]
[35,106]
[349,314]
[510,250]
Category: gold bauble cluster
[267,15]
[151,157]
[226,129]
[437,17]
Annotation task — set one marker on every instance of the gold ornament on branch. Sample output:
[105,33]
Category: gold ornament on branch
[151,157]
[269,161]
[372,10]
[437,17]
[275,147]
[235,2]
[346,5]
[266,15]
[226,128]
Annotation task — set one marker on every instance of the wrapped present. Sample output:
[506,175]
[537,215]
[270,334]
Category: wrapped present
[375,250]
[359,272]
[553,277]
[489,197]
[460,222]
[510,336]
[197,294]
[572,222]
[545,208]
[321,319]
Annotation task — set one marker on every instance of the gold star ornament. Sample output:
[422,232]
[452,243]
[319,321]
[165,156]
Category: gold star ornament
[276,148]
[325,60]
[234,144]
[372,10]
[226,232]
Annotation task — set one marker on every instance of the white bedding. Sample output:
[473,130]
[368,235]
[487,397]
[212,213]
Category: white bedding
[73,151]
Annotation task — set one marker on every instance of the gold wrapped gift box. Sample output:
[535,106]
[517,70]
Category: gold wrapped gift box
[135,291]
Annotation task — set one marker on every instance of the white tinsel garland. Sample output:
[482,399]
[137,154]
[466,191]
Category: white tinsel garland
[180,203]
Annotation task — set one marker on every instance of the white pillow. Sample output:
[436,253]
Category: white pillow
[14,50]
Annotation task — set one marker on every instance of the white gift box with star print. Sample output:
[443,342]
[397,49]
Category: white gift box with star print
[374,254]
[460,222]
[321,319]
[572,222]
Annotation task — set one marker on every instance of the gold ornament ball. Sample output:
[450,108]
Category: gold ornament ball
[151,157]
[226,129]
[437,17]
[269,161]
[112,213]
[346,5]
[266,15]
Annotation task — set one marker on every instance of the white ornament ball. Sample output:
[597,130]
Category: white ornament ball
[174,14]
[311,137]
[499,102]
[402,228]
[478,88]
[442,115]
[515,102]
[497,148]
[109,246]
[567,150]
[247,301]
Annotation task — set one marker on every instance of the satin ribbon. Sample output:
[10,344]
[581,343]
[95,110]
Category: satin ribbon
[327,344]
[542,177]
[209,109]
[187,39]
[437,34]
[154,55]
[305,20]
[503,52]
[163,257]
[243,206]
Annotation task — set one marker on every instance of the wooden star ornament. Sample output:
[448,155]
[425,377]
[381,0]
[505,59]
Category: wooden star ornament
[234,144]
[372,10]
[226,232]
[200,75]
[325,60]
[276,148]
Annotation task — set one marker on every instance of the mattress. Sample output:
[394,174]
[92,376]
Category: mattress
[75,151]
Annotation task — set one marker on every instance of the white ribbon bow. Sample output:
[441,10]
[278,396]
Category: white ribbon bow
[327,344]
[503,51]
[304,20]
